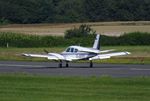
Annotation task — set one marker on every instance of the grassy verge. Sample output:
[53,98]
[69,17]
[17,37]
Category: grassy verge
[139,54]
[36,88]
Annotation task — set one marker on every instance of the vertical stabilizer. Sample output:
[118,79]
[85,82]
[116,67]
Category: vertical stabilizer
[96,44]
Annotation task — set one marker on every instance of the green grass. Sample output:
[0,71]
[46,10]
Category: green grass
[139,54]
[36,88]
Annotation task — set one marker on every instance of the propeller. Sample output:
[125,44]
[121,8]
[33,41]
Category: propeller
[46,51]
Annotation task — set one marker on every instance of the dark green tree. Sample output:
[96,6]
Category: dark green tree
[45,11]
[69,11]
[82,31]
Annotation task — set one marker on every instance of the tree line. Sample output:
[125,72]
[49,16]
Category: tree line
[66,11]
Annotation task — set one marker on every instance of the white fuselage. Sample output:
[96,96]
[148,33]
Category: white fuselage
[79,53]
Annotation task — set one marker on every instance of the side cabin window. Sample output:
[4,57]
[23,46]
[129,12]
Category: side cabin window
[73,50]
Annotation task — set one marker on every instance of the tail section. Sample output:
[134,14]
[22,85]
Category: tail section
[96,44]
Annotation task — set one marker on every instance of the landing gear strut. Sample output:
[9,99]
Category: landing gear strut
[60,64]
[91,64]
[67,65]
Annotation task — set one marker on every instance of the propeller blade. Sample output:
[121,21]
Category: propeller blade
[46,51]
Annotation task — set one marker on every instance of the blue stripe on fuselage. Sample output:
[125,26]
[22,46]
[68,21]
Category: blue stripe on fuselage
[79,55]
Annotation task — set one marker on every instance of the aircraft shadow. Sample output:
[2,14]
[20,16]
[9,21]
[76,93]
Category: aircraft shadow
[55,67]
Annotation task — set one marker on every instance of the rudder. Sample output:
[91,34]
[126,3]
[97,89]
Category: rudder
[96,44]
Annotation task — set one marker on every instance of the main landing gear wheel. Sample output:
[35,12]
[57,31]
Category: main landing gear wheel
[60,64]
[67,65]
[91,64]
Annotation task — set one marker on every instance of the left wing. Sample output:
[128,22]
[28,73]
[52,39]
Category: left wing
[50,56]
[109,55]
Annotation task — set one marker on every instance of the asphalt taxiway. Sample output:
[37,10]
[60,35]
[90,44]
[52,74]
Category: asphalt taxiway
[75,69]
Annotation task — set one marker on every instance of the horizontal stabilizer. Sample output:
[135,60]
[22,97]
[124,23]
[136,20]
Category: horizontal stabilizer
[105,51]
[90,51]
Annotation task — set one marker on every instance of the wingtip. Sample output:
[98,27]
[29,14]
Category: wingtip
[128,53]
[24,54]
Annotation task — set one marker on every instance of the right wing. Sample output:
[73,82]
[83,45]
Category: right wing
[109,55]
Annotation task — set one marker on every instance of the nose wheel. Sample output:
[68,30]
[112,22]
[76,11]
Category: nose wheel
[60,64]
[67,65]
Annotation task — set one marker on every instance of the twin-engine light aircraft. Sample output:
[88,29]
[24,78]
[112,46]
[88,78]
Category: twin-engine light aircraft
[79,53]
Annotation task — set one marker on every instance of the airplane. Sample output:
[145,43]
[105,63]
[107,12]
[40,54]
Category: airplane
[73,53]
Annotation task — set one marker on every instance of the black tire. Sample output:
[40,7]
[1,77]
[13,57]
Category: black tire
[67,65]
[91,64]
[60,65]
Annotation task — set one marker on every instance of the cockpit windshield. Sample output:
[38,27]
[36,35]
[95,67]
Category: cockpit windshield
[73,50]
[68,50]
